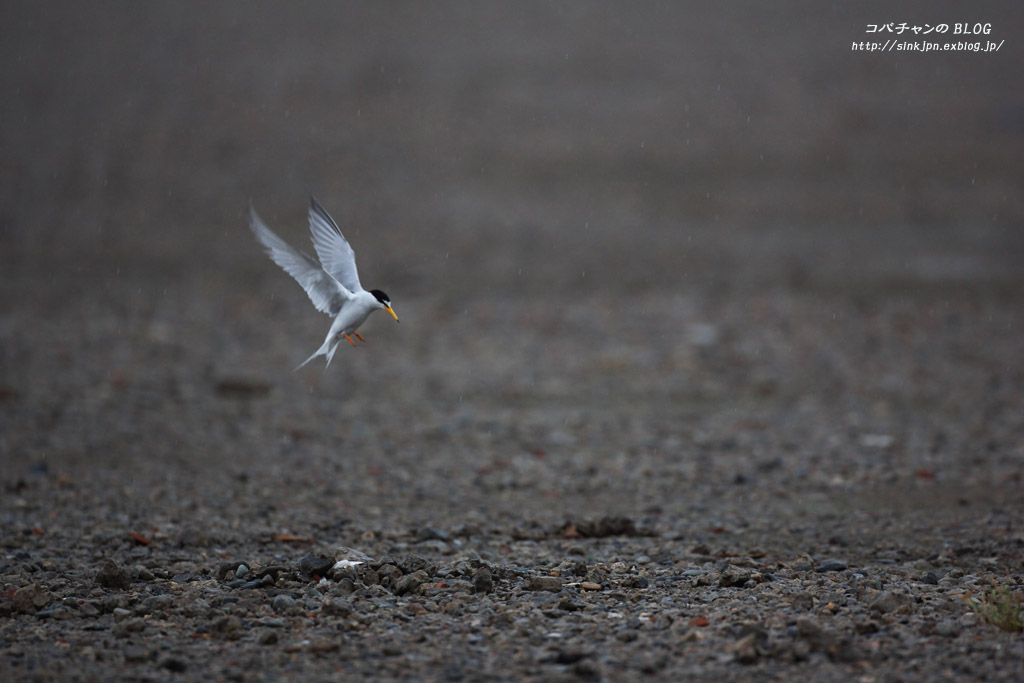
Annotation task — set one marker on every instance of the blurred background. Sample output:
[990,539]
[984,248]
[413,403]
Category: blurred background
[660,207]
[663,132]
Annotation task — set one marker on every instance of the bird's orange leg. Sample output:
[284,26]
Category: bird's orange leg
[359,336]
[350,339]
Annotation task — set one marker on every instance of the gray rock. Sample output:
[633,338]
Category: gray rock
[830,566]
[174,664]
[887,601]
[410,582]
[482,580]
[136,654]
[314,565]
[734,577]
[111,575]
[157,603]
[544,583]
[30,599]
[432,534]
[282,603]
[228,627]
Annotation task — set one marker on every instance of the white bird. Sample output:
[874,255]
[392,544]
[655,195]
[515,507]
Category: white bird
[332,284]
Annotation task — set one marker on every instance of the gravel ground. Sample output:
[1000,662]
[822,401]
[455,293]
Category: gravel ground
[710,363]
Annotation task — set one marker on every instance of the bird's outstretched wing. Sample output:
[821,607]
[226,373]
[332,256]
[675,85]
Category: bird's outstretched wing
[334,251]
[326,293]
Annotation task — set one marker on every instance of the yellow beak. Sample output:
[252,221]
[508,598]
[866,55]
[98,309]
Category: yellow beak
[392,312]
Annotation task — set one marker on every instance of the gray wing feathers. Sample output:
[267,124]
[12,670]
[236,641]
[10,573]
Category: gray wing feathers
[326,293]
[334,251]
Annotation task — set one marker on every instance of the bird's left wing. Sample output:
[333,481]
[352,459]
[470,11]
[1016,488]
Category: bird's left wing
[335,252]
[326,293]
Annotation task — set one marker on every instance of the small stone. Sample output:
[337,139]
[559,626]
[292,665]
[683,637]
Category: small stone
[136,654]
[590,586]
[432,534]
[388,574]
[733,577]
[228,627]
[334,607]
[830,566]
[144,574]
[174,664]
[410,563]
[887,601]
[544,583]
[947,628]
[931,578]
[745,650]
[567,604]
[482,580]
[88,609]
[282,603]
[268,637]
[29,599]
[241,572]
[157,603]
[272,571]
[128,626]
[410,582]
[120,613]
[803,601]
[111,575]
[314,565]
[808,628]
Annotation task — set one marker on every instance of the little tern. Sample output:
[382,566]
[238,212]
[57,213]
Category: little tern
[332,283]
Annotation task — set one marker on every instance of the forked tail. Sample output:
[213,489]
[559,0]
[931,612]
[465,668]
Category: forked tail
[325,350]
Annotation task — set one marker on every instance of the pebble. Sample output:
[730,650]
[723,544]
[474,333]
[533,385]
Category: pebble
[30,599]
[111,575]
[136,654]
[734,577]
[174,664]
[411,582]
[242,571]
[887,601]
[830,566]
[482,580]
[544,583]
[282,603]
[228,627]
[314,565]
[432,534]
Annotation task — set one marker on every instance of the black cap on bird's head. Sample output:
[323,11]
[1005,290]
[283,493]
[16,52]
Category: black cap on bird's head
[385,302]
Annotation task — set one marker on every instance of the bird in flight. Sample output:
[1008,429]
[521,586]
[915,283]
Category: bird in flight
[332,283]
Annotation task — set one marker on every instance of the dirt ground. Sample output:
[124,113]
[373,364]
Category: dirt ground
[710,363]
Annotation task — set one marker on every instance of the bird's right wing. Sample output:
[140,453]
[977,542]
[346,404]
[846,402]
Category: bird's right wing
[331,246]
[326,293]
